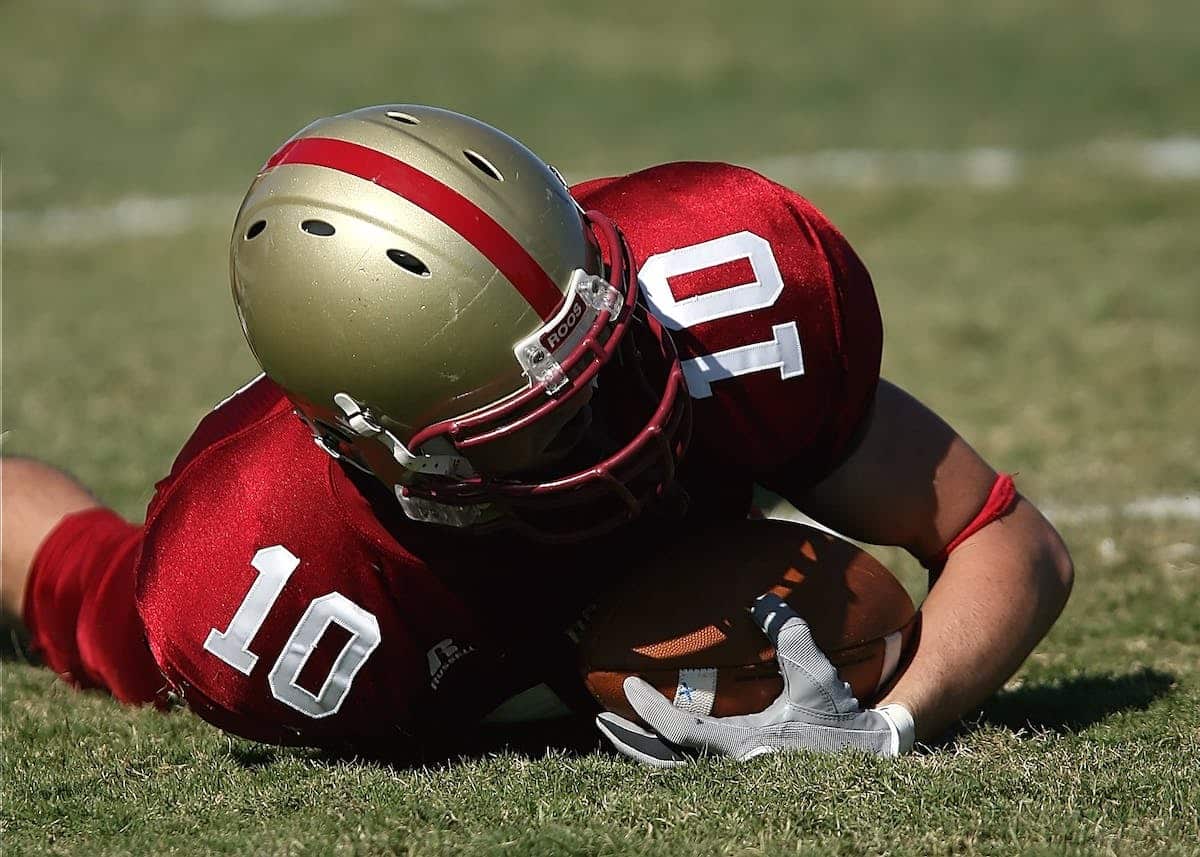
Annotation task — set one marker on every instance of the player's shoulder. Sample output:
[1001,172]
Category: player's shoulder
[773,314]
[695,183]
[251,475]
[250,459]
[239,414]
[671,174]
[686,203]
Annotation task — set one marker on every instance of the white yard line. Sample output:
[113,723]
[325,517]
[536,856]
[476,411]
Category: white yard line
[128,217]
[1163,508]
[1175,157]
[1185,507]
[979,167]
[248,10]
[1168,159]
[238,10]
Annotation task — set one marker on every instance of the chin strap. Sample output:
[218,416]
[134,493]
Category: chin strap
[364,425]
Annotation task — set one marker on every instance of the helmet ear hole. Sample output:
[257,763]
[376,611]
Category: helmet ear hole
[255,229]
[409,262]
[483,165]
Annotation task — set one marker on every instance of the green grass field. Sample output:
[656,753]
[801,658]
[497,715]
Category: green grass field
[1051,312]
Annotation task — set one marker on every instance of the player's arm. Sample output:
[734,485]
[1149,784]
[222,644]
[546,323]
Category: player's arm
[913,482]
[68,576]
[36,497]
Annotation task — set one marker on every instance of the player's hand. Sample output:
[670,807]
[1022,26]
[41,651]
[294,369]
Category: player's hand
[816,711]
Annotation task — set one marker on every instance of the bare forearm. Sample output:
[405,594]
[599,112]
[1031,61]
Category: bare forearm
[997,597]
[35,498]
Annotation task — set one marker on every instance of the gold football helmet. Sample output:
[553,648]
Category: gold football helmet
[438,309]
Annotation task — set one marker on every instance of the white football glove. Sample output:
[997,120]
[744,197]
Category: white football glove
[816,711]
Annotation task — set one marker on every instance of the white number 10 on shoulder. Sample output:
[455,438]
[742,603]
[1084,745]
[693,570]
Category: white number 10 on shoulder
[782,351]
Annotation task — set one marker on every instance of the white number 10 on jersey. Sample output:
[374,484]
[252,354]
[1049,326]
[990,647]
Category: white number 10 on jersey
[274,566]
[782,351]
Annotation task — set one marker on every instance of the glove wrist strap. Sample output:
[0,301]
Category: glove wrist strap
[904,729]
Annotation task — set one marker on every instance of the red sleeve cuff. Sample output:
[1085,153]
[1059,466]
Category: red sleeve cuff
[80,610]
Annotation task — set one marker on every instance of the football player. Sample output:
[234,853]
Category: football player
[484,392]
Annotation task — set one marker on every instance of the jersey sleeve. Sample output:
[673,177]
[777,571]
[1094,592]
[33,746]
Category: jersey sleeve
[80,611]
[854,353]
[773,314]
[240,412]
[585,189]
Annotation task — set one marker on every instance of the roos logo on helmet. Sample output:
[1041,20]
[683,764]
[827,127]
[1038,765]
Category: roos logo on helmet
[557,335]
[540,353]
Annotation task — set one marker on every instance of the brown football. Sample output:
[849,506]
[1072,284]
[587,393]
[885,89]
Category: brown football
[680,619]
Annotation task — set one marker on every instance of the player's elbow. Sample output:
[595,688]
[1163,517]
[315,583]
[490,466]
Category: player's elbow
[1046,572]
[1056,570]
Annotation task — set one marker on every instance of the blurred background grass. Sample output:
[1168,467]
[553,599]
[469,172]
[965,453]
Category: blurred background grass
[167,97]
[1047,303]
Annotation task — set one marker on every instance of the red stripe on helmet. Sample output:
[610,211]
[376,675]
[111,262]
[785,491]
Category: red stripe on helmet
[443,202]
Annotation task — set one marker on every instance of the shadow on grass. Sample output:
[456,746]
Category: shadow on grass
[1070,704]
[1062,705]
[253,756]
[14,641]
[567,736]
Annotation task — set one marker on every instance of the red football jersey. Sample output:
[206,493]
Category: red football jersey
[289,600]
[774,317]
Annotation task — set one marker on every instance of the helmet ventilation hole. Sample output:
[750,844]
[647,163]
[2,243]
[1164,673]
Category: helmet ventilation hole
[409,262]
[317,227]
[403,118]
[255,228]
[484,165]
